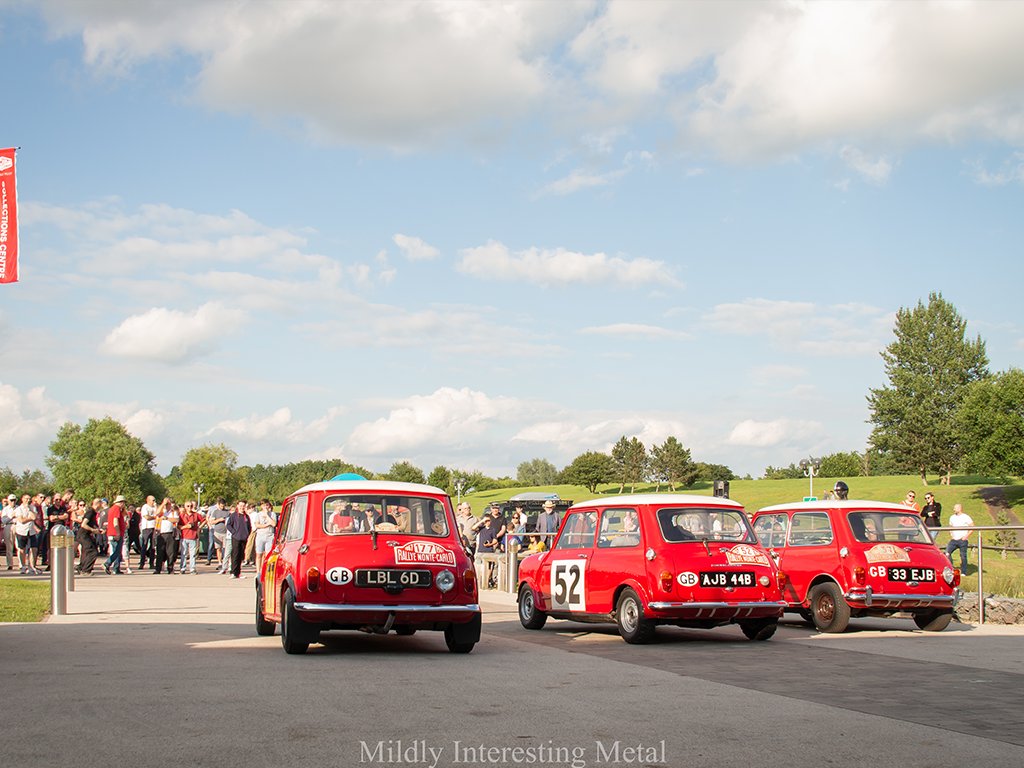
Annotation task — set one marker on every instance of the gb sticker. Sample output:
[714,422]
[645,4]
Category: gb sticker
[339,576]
[687,579]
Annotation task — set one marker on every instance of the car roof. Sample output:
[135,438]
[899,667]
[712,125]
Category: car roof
[882,506]
[660,499]
[372,486]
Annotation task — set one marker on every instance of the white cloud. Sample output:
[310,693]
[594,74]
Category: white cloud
[1011,172]
[172,336]
[599,432]
[415,249]
[26,420]
[445,418]
[559,266]
[766,434]
[873,170]
[279,425]
[835,329]
[635,330]
[578,179]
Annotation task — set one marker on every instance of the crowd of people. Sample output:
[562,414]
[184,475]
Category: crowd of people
[166,538]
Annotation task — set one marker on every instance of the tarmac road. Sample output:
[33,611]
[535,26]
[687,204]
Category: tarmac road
[154,670]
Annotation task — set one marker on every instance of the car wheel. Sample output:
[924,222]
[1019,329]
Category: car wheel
[405,631]
[806,616]
[263,627]
[295,633]
[759,629]
[529,616]
[629,616]
[455,645]
[933,621]
[829,611]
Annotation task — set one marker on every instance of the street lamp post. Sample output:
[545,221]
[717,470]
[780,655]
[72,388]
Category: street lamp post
[810,467]
[199,488]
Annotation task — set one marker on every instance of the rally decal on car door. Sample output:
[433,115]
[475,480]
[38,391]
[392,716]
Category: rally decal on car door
[568,585]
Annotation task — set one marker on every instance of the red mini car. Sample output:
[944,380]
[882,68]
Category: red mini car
[645,560]
[367,555]
[843,559]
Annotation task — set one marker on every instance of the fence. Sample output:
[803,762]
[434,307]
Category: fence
[981,547]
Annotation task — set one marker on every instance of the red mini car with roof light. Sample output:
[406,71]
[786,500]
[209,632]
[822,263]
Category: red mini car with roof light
[649,559]
[843,559]
[371,556]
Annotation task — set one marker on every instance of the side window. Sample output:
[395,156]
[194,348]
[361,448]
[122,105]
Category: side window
[296,520]
[771,530]
[283,520]
[810,529]
[577,532]
[619,528]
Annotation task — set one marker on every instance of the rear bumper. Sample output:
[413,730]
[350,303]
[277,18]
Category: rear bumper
[868,598]
[378,613]
[716,610]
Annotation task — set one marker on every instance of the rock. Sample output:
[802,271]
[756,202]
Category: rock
[998,609]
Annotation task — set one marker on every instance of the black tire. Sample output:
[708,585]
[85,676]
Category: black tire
[629,617]
[759,629]
[455,646]
[263,627]
[296,635]
[529,616]
[933,621]
[830,612]
[405,631]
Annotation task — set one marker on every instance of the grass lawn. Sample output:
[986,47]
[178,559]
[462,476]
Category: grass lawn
[24,600]
[1002,576]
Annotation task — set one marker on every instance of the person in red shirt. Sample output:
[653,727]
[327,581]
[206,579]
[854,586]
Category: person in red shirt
[116,525]
[189,522]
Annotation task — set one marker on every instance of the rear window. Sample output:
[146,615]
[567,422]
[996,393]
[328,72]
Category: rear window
[681,524]
[887,526]
[358,514]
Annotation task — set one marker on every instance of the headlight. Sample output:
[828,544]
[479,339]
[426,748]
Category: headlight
[948,575]
[445,580]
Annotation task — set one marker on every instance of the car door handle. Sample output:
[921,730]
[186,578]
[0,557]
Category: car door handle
[583,556]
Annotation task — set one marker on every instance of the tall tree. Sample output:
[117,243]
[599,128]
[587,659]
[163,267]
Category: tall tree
[441,477]
[841,464]
[211,465]
[671,463]
[405,472]
[714,472]
[102,459]
[536,472]
[930,366]
[589,470]
[991,424]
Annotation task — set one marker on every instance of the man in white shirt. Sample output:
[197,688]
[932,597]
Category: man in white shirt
[7,522]
[25,530]
[958,536]
[147,532]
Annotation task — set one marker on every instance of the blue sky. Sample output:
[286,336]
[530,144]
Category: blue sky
[472,234]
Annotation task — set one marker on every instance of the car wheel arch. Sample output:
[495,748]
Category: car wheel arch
[641,592]
[822,578]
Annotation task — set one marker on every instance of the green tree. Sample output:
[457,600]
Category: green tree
[630,459]
[671,463]
[536,472]
[102,459]
[991,425]
[783,473]
[712,472]
[441,477]
[930,366]
[211,465]
[589,469]
[8,482]
[841,465]
[405,472]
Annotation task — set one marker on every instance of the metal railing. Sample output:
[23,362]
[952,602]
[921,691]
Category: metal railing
[981,553]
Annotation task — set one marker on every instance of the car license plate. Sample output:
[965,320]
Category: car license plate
[392,577]
[727,578]
[911,574]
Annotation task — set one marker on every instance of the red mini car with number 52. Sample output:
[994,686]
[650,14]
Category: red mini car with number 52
[649,559]
[367,555]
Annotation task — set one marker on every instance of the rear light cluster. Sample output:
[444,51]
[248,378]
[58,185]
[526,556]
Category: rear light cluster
[469,581]
[951,576]
[781,578]
[313,579]
[666,581]
[859,574]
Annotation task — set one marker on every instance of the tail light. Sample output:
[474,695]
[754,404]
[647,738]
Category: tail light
[469,581]
[666,581]
[781,577]
[313,579]
[956,577]
[858,574]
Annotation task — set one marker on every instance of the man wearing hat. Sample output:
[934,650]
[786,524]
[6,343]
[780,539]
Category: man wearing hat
[116,525]
[547,521]
[7,523]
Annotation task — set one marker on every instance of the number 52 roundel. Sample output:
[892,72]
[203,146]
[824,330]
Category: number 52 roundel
[568,585]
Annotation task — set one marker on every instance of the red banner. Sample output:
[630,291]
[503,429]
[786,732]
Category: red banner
[8,219]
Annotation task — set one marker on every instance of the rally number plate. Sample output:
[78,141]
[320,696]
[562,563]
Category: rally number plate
[392,577]
[911,574]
